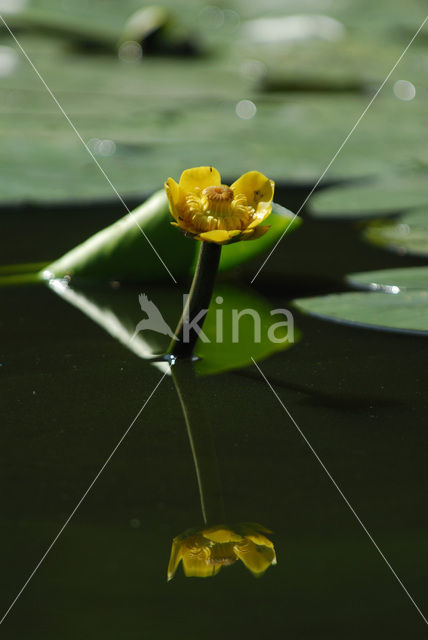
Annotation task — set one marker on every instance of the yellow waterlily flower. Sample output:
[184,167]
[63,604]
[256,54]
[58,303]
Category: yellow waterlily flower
[208,210]
[205,551]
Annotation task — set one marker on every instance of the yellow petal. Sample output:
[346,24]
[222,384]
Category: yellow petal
[219,236]
[256,559]
[186,228]
[221,534]
[255,233]
[199,567]
[174,196]
[199,177]
[260,540]
[174,560]
[255,186]
[264,209]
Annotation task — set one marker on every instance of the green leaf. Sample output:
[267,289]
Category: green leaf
[142,120]
[391,280]
[122,251]
[345,63]
[280,220]
[392,194]
[407,235]
[405,311]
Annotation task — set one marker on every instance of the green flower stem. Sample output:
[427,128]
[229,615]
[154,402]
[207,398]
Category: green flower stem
[193,404]
[199,298]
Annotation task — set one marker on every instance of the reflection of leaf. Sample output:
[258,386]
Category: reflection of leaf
[121,252]
[391,279]
[389,195]
[16,274]
[219,356]
[408,235]
[405,311]
[118,312]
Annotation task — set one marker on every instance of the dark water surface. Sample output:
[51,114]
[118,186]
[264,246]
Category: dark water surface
[69,391]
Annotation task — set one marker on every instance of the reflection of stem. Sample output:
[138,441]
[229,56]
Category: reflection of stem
[199,299]
[201,441]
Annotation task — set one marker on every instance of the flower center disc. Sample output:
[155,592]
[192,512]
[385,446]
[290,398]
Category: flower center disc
[221,193]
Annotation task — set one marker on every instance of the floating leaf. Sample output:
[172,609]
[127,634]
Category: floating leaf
[405,311]
[407,235]
[392,194]
[122,251]
[141,120]
[328,59]
[391,280]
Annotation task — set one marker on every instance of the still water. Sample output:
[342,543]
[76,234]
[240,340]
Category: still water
[69,393]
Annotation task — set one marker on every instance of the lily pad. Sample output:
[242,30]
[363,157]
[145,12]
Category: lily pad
[407,236]
[146,121]
[134,247]
[339,64]
[404,311]
[391,280]
[392,194]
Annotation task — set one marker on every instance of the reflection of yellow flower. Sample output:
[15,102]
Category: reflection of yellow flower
[208,210]
[204,552]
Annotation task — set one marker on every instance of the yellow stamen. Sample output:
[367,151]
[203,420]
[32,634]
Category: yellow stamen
[217,207]
[222,192]
[222,553]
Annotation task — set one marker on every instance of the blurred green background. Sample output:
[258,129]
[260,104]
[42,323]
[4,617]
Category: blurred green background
[274,86]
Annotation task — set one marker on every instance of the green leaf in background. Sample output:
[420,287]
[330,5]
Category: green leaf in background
[310,58]
[404,311]
[280,221]
[391,194]
[141,119]
[391,280]
[407,236]
[121,252]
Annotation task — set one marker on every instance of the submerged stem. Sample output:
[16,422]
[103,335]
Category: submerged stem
[199,299]
[201,442]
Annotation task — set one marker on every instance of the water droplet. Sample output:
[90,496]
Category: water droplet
[404,90]
[245,109]
[130,51]
[106,148]
[211,17]
[9,60]
[232,19]
[102,147]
